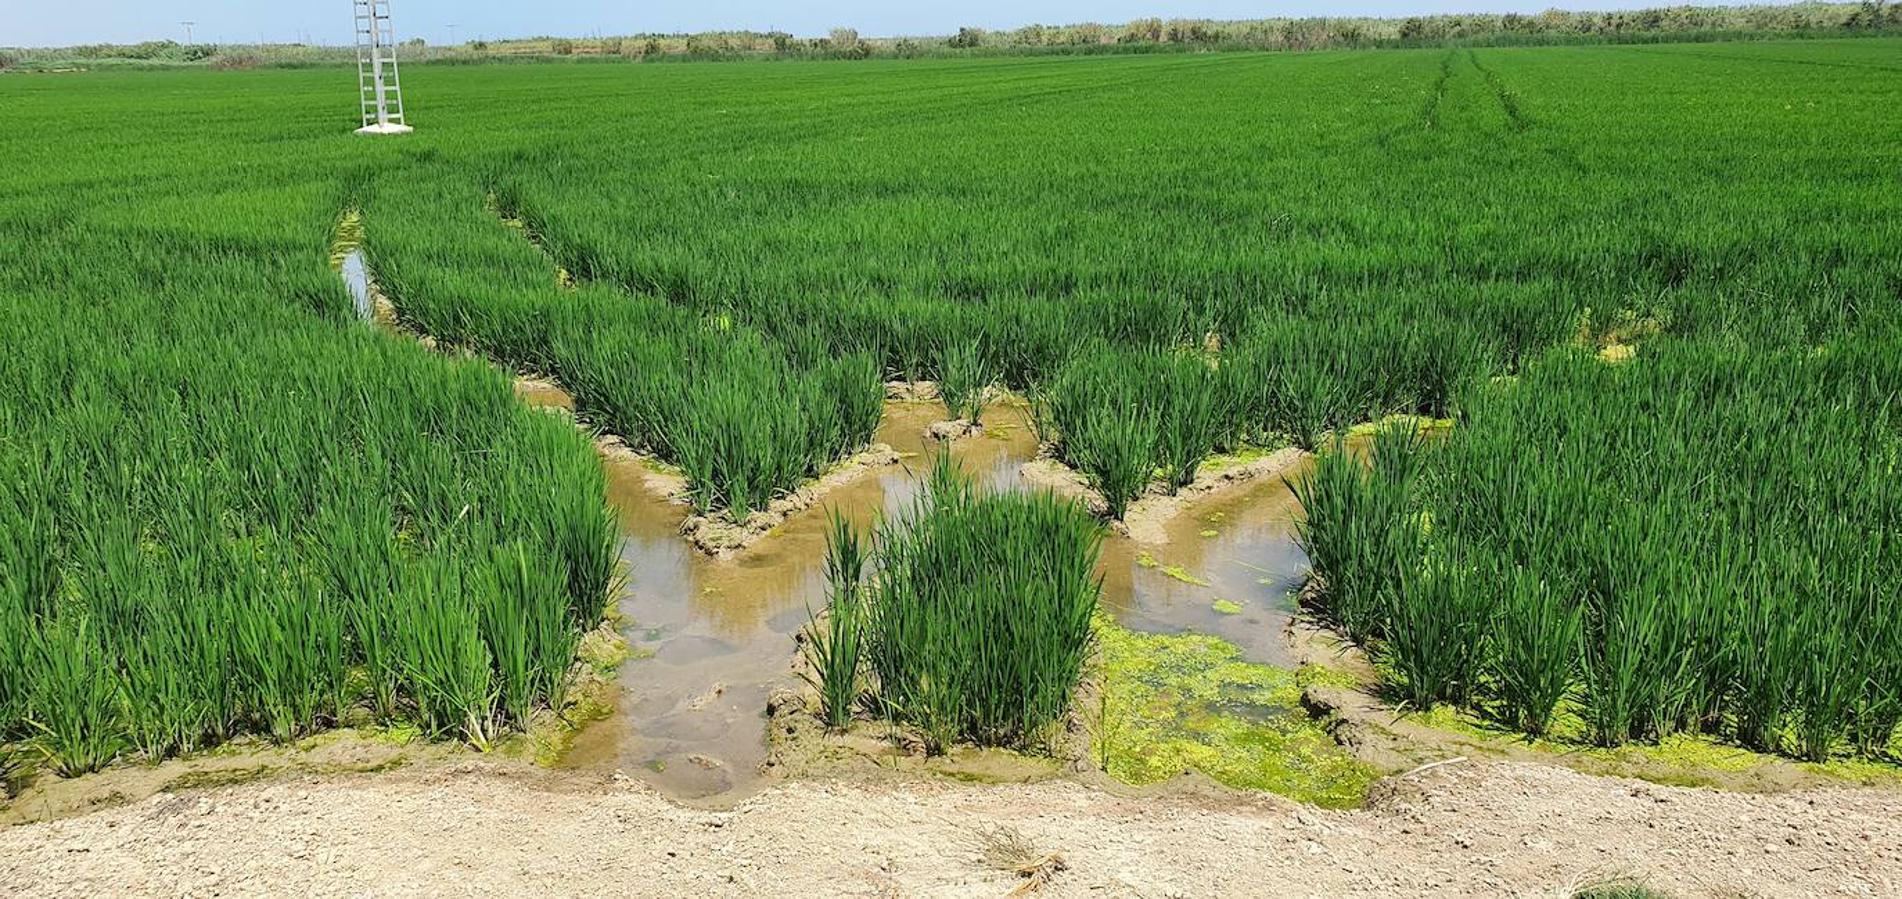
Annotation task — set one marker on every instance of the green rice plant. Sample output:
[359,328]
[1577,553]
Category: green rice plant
[978,621]
[1436,629]
[964,381]
[288,649]
[167,708]
[1106,422]
[1362,530]
[448,671]
[1829,674]
[1191,422]
[1876,709]
[833,646]
[365,569]
[1534,648]
[72,703]
[528,631]
[1636,666]
[1761,697]
[15,664]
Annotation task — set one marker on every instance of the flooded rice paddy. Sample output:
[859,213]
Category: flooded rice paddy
[712,638]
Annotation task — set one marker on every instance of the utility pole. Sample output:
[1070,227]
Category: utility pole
[452,35]
[188,30]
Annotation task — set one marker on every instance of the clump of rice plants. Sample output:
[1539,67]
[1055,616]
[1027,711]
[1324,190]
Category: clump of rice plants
[964,381]
[1362,530]
[1125,417]
[1591,539]
[833,646]
[73,703]
[977,616]
[1434,632]
[747,417]
[238,517]
[1534,644]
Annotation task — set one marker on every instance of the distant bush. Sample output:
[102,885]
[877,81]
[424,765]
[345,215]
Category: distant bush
[845,43]
[8,59]
[149,50]
[237,60]
[967,38]
[199,52]
[562,46]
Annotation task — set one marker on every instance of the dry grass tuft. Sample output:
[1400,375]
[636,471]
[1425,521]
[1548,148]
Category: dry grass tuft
[1005,848]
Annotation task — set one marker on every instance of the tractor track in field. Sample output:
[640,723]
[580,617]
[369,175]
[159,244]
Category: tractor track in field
[1508,100]
[1430,110]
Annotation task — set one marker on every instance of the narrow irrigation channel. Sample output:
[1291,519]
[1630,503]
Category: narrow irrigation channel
[712,637]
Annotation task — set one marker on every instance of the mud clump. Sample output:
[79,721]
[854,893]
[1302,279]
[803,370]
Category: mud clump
[1146,519]
[912,391]
[956,429]
[720,535]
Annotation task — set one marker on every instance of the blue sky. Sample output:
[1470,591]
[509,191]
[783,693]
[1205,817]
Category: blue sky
[35,23]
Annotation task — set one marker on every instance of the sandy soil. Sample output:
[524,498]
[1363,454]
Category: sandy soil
[1491,828]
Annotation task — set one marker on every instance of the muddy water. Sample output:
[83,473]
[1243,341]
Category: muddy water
[713,638]
[1230,568]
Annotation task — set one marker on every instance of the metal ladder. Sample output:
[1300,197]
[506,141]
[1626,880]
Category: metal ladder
[378,86]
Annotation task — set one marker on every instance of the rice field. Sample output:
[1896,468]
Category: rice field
[1655,287]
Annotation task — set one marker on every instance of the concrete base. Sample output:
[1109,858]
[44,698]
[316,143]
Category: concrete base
[391,128]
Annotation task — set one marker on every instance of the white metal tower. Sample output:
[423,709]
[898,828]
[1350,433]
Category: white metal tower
[378,86]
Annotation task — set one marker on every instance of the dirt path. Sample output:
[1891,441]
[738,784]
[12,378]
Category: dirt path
[1467,829]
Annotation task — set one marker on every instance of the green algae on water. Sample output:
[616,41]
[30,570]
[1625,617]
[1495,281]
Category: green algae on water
[1190,703]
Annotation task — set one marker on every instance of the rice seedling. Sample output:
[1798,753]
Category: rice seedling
[74,700]
[1534,648]
[834,645]
[966,379]
[1105,422]
[447,668]
[529,631]
[1362,530]
[1435,627]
